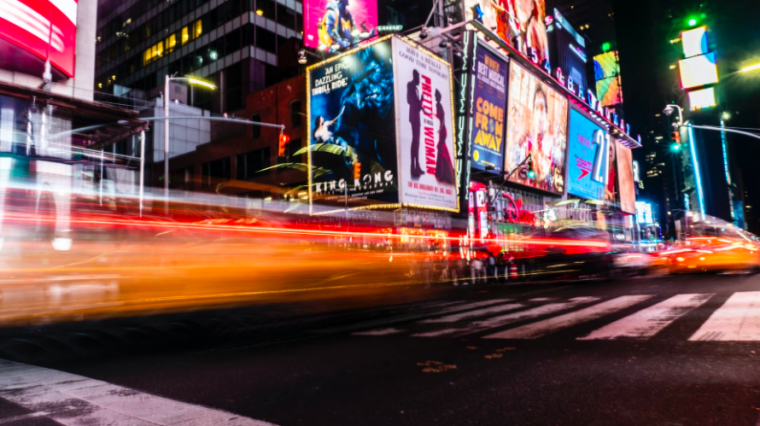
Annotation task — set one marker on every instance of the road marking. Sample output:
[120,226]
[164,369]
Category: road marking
[737,320]
[378,332]
[650,321]
[503,320]
[70,399]
[476,313]
[542,328]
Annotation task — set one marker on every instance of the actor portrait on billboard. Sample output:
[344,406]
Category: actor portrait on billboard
[415,108]
[537,125]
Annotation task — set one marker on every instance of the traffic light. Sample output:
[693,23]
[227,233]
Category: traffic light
[676,137]
[531,172]
[284,139]
[676,147]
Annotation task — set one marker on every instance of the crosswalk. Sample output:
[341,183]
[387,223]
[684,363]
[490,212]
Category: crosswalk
[631,317]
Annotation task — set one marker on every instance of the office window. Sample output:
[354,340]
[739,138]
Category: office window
[170,43]
[256,130]
[266,8]
[197,29]
[295,114]
[215,171]
[185,35]
[250,163]
[286,16]
[266,40]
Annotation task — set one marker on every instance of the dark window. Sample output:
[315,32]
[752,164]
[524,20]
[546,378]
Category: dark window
[286,16]
[256,130]
[295,114]
[266,40]
[232,41]
[215,170]
[250,163]
[265,8]
[299,22]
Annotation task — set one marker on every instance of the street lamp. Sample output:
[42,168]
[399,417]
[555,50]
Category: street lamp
[750,68]
[193,81]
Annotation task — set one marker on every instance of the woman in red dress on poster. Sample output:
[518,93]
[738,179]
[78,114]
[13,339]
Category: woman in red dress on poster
[444,167]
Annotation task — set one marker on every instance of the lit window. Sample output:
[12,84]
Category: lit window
[147,56]
[197,29]
[185,36]
[170,42]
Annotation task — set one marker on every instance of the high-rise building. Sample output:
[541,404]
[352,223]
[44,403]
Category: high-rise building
[234,44]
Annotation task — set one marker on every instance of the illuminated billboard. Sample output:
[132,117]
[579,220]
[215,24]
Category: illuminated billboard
[536,125]
[33,31]
[520,23]
[607,75]
[644,213]
[336,25]
[489,103]
[694,42]
[698,71]
[586,143]
[352,147]
[381,128]
[568,52]
[702,99]
[625,179]
[424,128]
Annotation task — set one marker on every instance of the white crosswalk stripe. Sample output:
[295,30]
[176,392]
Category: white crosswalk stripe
[502,320]
[542,328]
[649,321]
[75,400]
[737,320]
[476,313]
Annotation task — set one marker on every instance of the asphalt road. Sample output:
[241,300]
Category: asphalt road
[643,351]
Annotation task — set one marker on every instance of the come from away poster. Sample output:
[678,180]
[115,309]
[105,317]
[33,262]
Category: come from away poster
[489,99]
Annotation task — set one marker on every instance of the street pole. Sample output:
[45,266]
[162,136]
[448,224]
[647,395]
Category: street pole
[166,140]
[142,168]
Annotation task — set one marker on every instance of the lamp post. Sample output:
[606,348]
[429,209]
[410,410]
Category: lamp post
[193,81]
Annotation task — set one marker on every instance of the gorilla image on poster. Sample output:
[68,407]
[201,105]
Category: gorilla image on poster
[352,148]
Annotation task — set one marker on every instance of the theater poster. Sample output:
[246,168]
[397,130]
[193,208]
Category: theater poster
[489,97]
[352,142]
[424,128]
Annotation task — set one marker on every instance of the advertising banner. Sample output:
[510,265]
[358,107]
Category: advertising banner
[352,147]
[520,23]
[489,97]
[44,29]
[568,53]
[607,75]
[424,127]
[335,25]
[536,126]
[625,179]
[586,139]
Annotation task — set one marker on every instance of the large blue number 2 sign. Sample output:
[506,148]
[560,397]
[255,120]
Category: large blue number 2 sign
[602,158]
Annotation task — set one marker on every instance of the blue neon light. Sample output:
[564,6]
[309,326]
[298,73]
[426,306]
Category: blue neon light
[700,193]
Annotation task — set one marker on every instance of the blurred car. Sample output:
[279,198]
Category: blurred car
[631,262]
[715,246]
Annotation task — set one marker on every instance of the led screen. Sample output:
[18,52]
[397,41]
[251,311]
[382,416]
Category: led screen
[520,23]
[625,179]
[424,128]
[607,74]
[335,25]
[701,99]
[568,53]
[644,213]
[352,147]
[489,97]
[694,42]
[536,125]
[698,71]
[584,155]
[32,31]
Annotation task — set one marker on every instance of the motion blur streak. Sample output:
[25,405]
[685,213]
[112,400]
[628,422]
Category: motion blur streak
[112,263]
